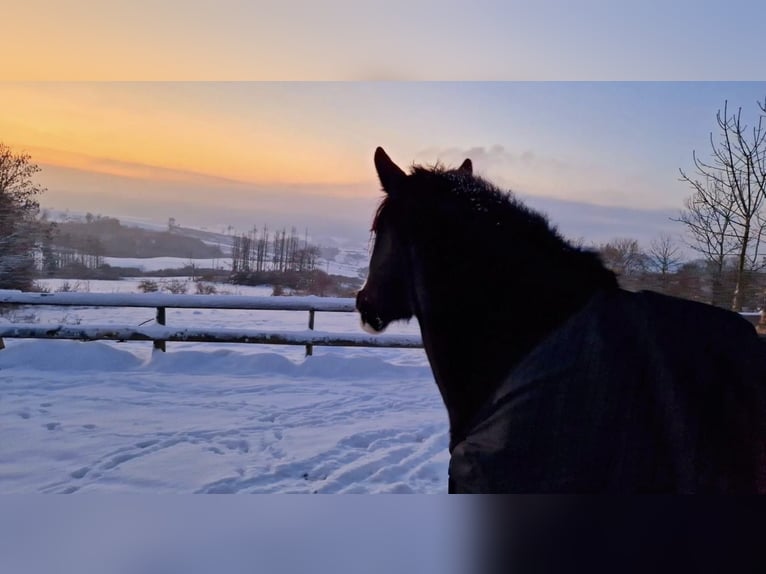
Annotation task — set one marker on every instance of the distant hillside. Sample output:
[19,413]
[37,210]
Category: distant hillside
[221,240]
[107,237]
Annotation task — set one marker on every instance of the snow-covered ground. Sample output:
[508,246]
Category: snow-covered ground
[347,262]
[116,417]
[157,263]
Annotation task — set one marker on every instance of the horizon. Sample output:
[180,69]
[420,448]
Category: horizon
[599,158]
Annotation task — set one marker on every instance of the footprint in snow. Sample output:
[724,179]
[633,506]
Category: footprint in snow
[80,472]
[240,445]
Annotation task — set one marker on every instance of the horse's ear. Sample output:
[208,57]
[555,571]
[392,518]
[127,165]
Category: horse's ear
[466,166]
[390,174]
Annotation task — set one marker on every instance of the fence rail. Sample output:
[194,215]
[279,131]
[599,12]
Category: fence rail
[160,333]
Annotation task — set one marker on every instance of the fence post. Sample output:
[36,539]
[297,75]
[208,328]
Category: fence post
[310,348]
[160,345]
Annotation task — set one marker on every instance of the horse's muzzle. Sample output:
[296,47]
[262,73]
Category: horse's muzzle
[371,321]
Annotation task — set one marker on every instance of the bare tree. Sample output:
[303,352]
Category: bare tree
[663,259]
[729,193]
[623,256]
[663,254]
[708,219]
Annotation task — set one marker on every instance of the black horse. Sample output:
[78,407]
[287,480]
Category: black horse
[555,379]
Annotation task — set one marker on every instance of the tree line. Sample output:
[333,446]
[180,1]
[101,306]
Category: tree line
[286,261]
[661,267]
[280,252]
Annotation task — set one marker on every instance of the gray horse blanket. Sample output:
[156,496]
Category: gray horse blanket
[637,392]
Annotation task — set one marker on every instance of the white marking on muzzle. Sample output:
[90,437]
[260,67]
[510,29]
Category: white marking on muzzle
[370,329]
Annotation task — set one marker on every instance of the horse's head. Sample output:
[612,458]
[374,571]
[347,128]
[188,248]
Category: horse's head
[389,294]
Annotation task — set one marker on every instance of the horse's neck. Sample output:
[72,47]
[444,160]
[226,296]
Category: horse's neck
[472,344]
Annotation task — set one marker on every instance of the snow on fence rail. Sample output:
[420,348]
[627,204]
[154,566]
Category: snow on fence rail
[160,333]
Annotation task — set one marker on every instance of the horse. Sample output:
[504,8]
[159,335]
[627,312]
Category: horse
[556,380]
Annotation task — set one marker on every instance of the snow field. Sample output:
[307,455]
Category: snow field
[205,418]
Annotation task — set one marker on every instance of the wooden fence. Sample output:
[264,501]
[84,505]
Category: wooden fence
[160,332]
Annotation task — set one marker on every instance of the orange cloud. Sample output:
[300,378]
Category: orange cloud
[139,130]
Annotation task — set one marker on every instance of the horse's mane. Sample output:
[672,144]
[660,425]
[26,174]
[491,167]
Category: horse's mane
[475,194]
[486,206]
[490,204]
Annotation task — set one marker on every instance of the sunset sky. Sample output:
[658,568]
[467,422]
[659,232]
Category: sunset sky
[140,108]
[249,153]
[395,40]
